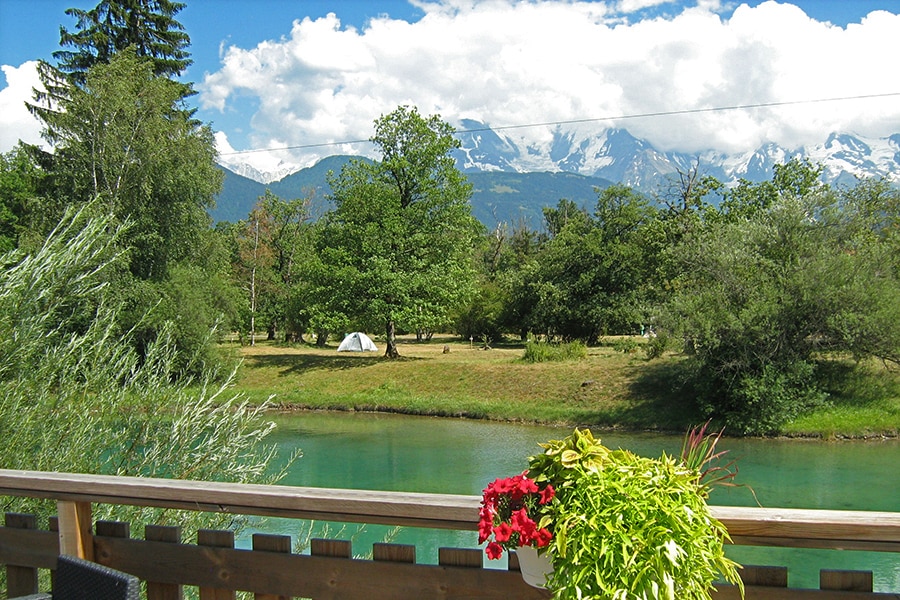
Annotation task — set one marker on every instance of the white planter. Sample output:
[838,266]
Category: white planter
[534,567]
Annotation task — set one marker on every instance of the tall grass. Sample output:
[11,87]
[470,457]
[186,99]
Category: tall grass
[75,396]
[536,352]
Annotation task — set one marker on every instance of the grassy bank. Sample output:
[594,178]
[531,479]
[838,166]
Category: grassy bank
[608,388]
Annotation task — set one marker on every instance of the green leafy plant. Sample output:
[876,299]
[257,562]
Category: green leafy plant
[626,526]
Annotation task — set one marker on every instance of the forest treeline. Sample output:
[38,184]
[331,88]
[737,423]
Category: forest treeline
[759,285]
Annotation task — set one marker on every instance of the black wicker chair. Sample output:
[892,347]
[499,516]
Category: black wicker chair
[78,579]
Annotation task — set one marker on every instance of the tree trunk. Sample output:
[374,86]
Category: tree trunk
[321,338]
[391,349]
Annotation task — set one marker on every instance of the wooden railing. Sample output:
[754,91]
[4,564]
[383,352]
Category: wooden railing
[271,571]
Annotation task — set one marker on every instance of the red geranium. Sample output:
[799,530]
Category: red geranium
[510,515]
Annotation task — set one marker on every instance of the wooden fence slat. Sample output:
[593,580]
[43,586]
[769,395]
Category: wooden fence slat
[460,557]
[217,539]
[850,581]
[271,543]
[405,553]
[75,538]
[21,581]
[333,548]
[764,576]
[155,589]
[114,529]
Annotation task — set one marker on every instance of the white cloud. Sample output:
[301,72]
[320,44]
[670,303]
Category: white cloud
[512,63]
[16,123]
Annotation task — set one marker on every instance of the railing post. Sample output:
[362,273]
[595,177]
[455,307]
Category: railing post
[21,581]
[404,553]
[848,581]
[75,538]
[156,590]
[460,557]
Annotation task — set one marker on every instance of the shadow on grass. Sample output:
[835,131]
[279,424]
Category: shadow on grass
[293,364]
[656,401]
[853,384]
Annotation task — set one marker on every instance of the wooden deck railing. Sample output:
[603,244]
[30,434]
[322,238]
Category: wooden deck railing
[271,571]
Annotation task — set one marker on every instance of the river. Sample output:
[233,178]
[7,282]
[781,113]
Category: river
[422,454]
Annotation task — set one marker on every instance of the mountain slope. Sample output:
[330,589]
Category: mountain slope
[514,180]
[496,197]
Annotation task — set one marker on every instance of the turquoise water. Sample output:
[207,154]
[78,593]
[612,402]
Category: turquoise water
[422,454]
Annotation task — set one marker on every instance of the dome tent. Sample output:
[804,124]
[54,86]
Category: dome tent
[357,342]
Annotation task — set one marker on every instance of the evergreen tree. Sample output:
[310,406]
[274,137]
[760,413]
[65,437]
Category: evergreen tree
[147,26]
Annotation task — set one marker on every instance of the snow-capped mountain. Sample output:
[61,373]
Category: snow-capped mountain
[250,172]
[618,156]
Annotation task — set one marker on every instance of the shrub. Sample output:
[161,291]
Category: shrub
[536,352]
[626,345]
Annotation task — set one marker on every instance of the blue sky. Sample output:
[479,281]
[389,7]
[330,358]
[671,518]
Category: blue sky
[282,73]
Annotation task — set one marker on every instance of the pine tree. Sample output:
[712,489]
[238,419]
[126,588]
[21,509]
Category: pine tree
[149,26]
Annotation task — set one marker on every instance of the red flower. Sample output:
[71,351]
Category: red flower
[503,532]
[509,508]
[543,537]
[546,494]
[494,550]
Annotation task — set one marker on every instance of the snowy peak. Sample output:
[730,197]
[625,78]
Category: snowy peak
[483,149]
[618,156]
[250,172]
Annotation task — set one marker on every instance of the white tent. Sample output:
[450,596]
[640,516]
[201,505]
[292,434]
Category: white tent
[357,342]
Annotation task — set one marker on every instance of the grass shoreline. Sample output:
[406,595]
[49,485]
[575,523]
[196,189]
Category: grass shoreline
[607,390]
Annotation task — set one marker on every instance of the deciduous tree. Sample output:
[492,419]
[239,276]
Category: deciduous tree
[396,251]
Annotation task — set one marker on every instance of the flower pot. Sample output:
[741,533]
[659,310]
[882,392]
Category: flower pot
[534,567]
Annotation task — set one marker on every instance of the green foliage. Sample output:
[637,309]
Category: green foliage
[19,177]
[589,278]
[627,345]
[536,352]
[148,161]
[626,526]
[76,397]
[122,144]
[480,318]
[763,297]
[657,345]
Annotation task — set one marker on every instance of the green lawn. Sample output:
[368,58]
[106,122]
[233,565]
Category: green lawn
[608,389]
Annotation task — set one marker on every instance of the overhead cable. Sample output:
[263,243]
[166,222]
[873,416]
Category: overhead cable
[667,113]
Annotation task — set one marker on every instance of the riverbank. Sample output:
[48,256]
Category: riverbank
[609,389]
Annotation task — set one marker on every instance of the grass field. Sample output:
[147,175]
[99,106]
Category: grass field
[609,388]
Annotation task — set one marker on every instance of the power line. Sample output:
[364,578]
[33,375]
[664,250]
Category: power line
[666,113]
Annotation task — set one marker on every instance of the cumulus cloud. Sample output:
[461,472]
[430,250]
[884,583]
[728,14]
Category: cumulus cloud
[508,63]
[16,123]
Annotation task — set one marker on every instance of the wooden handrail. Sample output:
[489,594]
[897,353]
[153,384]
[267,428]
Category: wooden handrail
[439,511]
[808,528]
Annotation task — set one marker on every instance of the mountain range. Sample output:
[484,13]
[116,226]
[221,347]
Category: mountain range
[513,182]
